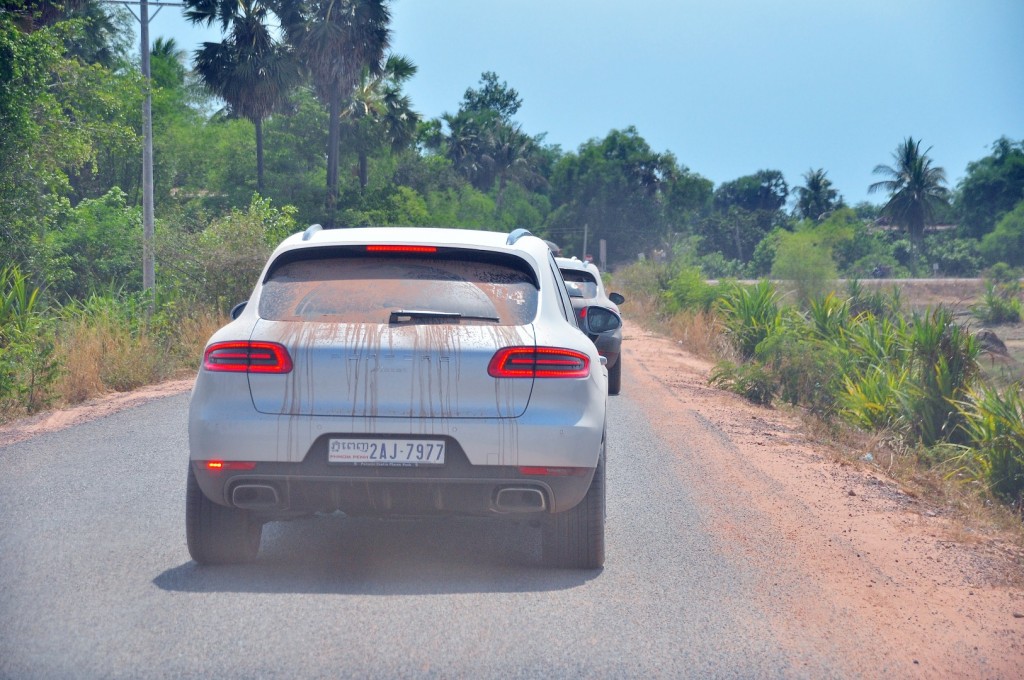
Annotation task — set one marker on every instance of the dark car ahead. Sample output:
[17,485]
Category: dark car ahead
[596,313]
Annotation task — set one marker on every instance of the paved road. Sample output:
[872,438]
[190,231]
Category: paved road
[96,581]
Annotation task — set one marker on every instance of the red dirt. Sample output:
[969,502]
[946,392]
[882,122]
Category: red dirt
[848,559]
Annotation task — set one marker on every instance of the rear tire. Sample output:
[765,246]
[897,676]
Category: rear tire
[217,534]
[574,539]
[615,377]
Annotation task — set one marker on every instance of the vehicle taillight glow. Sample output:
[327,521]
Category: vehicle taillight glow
[247,357]
[400,249]
[217,465]
[538,362]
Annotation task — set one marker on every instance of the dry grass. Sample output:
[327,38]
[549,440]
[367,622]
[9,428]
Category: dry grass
[699,332]
[97,355]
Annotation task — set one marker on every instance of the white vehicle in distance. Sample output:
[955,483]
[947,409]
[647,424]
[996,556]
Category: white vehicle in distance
[596,313]
[400,372]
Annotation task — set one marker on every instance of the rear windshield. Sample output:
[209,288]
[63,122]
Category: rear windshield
[580,283]
[368,289]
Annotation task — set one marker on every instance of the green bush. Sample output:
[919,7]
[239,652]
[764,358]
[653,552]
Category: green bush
[219,266]
[27,367]
[1000,304]
[804,259]
[806,369]
[1001,272]
[873,399]
[750,314]
[1006,242]
[956,257]
[875,302]
[101,241]
[751,380]
[689,291]
[944,367]
[994,425]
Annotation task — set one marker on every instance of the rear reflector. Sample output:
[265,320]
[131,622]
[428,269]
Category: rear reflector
[230,465]
[538,362]
[400,249]
[247,357]
[554,471]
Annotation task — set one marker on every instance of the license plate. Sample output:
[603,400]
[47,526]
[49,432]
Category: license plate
[371,451]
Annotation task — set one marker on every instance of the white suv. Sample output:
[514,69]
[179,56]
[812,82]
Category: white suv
[397,372]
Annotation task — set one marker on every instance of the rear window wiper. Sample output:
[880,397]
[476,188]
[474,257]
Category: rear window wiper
[414,315]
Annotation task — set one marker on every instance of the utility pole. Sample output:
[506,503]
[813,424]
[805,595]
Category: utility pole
[148,257]
[148,252]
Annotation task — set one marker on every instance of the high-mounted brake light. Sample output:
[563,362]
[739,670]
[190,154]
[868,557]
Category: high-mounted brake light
[400,249]
[538,362]
[247,357]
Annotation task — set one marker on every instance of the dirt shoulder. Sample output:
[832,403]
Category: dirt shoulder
[848,559]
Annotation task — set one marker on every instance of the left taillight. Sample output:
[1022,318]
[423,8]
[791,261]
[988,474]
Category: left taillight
[247,357]
[538,362]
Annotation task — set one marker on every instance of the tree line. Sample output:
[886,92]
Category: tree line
[301,104]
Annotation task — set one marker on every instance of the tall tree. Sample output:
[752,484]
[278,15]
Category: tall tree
[915,188]
[512,155]
[612,189]
[817,198]
[492,96]
[103,36]
[991,188]
[167,63]
[249,69]
[379,114]
[746,209]
[337,40]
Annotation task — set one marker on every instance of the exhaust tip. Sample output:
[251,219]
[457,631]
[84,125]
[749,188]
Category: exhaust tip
[255,496]
[519,499]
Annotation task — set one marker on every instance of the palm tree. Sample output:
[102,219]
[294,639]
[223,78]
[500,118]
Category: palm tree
[378,112]
[337,40]
[249,69]
[816,199]
[466,145]
[915,188]
[167,63]
[512,155]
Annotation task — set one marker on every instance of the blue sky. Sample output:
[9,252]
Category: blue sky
[729,86]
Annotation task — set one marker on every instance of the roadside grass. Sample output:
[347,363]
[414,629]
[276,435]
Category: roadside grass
[110,343]
[114,344]
[927,416]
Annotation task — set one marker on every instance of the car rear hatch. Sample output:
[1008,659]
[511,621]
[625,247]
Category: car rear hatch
[395,334]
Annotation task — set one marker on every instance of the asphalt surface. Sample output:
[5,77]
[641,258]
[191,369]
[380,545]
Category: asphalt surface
[96,580]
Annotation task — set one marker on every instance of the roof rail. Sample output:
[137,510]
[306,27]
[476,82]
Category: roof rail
[516,235]
[310,230]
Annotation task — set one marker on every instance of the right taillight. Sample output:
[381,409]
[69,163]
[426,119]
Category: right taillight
[247,357]
[538,362]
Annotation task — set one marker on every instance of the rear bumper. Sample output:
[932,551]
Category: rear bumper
[315,485]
